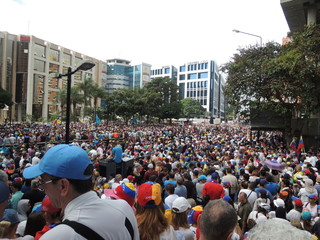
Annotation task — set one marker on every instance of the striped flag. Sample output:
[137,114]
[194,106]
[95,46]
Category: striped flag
[293,144]
[301,145]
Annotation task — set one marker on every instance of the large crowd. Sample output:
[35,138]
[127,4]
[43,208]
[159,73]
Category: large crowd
[185,182]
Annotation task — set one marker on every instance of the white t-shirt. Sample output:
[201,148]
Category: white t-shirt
[169,234]
[187,233]
[251,195]
[106,217]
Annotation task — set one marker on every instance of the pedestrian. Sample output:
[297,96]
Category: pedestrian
[66,176]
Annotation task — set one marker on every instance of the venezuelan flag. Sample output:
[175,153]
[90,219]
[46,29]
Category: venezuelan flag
[301,145]
[293,144]
[81,122]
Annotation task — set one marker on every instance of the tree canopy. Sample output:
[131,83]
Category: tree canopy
[284,79]
[5,98]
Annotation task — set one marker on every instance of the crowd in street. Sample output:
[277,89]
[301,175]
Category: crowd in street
[185,182]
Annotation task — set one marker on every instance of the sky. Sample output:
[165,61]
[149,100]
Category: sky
[161,33]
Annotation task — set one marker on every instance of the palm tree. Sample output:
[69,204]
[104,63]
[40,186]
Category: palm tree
[86,87]
[61,98]
[76,98]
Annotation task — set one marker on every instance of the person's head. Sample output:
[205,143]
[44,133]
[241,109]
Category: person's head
[242,197]
[169,188]
[218,221]
[281,212]
[202,179]
[125,191]
[312,199]
[50,213]
[9,224]
[150,211]
[194,213]
[66,173]
[35,223]
[271,229]
[179,210]
[4,190]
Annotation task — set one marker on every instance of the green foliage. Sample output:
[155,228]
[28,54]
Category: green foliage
[192,108]
[280,78]
[5,98]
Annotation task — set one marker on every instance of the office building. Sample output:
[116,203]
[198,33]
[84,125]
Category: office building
[203,82]
[29,67]
[165,71]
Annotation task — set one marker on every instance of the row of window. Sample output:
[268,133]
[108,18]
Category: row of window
[202,84]
[160,72]
[194,67]
[201,75]
[199,93]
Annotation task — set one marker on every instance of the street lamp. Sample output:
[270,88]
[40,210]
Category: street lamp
[237,31]
[86,65]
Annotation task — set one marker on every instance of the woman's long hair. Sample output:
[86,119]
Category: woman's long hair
[179,220]
[151,222]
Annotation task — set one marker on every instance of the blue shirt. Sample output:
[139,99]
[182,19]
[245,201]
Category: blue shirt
[181,191]
[117,154]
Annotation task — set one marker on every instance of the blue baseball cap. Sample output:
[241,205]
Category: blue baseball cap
[10,215]
[202,177]
[64,161]
[214,176]
[4,190]
[294,198]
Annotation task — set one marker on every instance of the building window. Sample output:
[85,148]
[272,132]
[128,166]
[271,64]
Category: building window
[203,75]
[192,76]
[206,66]
[167,70]
[39,66]
[39,50]
[182,77]
[182,68]
[66,59]
[53,55]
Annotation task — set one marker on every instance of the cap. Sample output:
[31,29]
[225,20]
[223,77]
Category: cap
[263,182]
[227,199]
[306,215]
[265,206]
[4,189]
[196,172]
[47,206]
[125,191]
[194,214]
[149,191]
[180,205]
[294,198]
[278,202]
[130,177]
[65,161]
[150,165]
[226,183]
[313,196]
[214,176]
[202,177]
[298,203]
[10,215]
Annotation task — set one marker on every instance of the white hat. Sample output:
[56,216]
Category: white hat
[180,205]
[278,202]
[38,153]
[150,165]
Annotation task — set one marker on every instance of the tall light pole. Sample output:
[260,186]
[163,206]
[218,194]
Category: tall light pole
[238,31]
[86,65]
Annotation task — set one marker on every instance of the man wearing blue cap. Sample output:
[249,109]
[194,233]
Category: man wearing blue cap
[66,176]
[212,188]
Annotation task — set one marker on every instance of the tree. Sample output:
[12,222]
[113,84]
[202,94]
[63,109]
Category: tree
[167,98]
[192,108]
[285,79]
[86,87]
[5,98]
[97,92]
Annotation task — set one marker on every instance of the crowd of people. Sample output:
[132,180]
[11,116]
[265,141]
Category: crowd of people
[185,182]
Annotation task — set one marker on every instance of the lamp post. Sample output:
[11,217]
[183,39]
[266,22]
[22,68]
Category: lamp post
[238,31]
[84,67]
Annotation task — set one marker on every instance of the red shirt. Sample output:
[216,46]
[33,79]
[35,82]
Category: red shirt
[214,190]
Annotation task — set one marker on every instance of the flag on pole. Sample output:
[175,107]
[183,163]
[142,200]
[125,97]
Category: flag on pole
[293,144]
[98,121]
[301,145]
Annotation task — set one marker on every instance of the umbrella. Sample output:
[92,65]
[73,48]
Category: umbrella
[273,164]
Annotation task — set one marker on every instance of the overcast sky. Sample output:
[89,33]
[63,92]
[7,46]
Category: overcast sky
[156,32]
